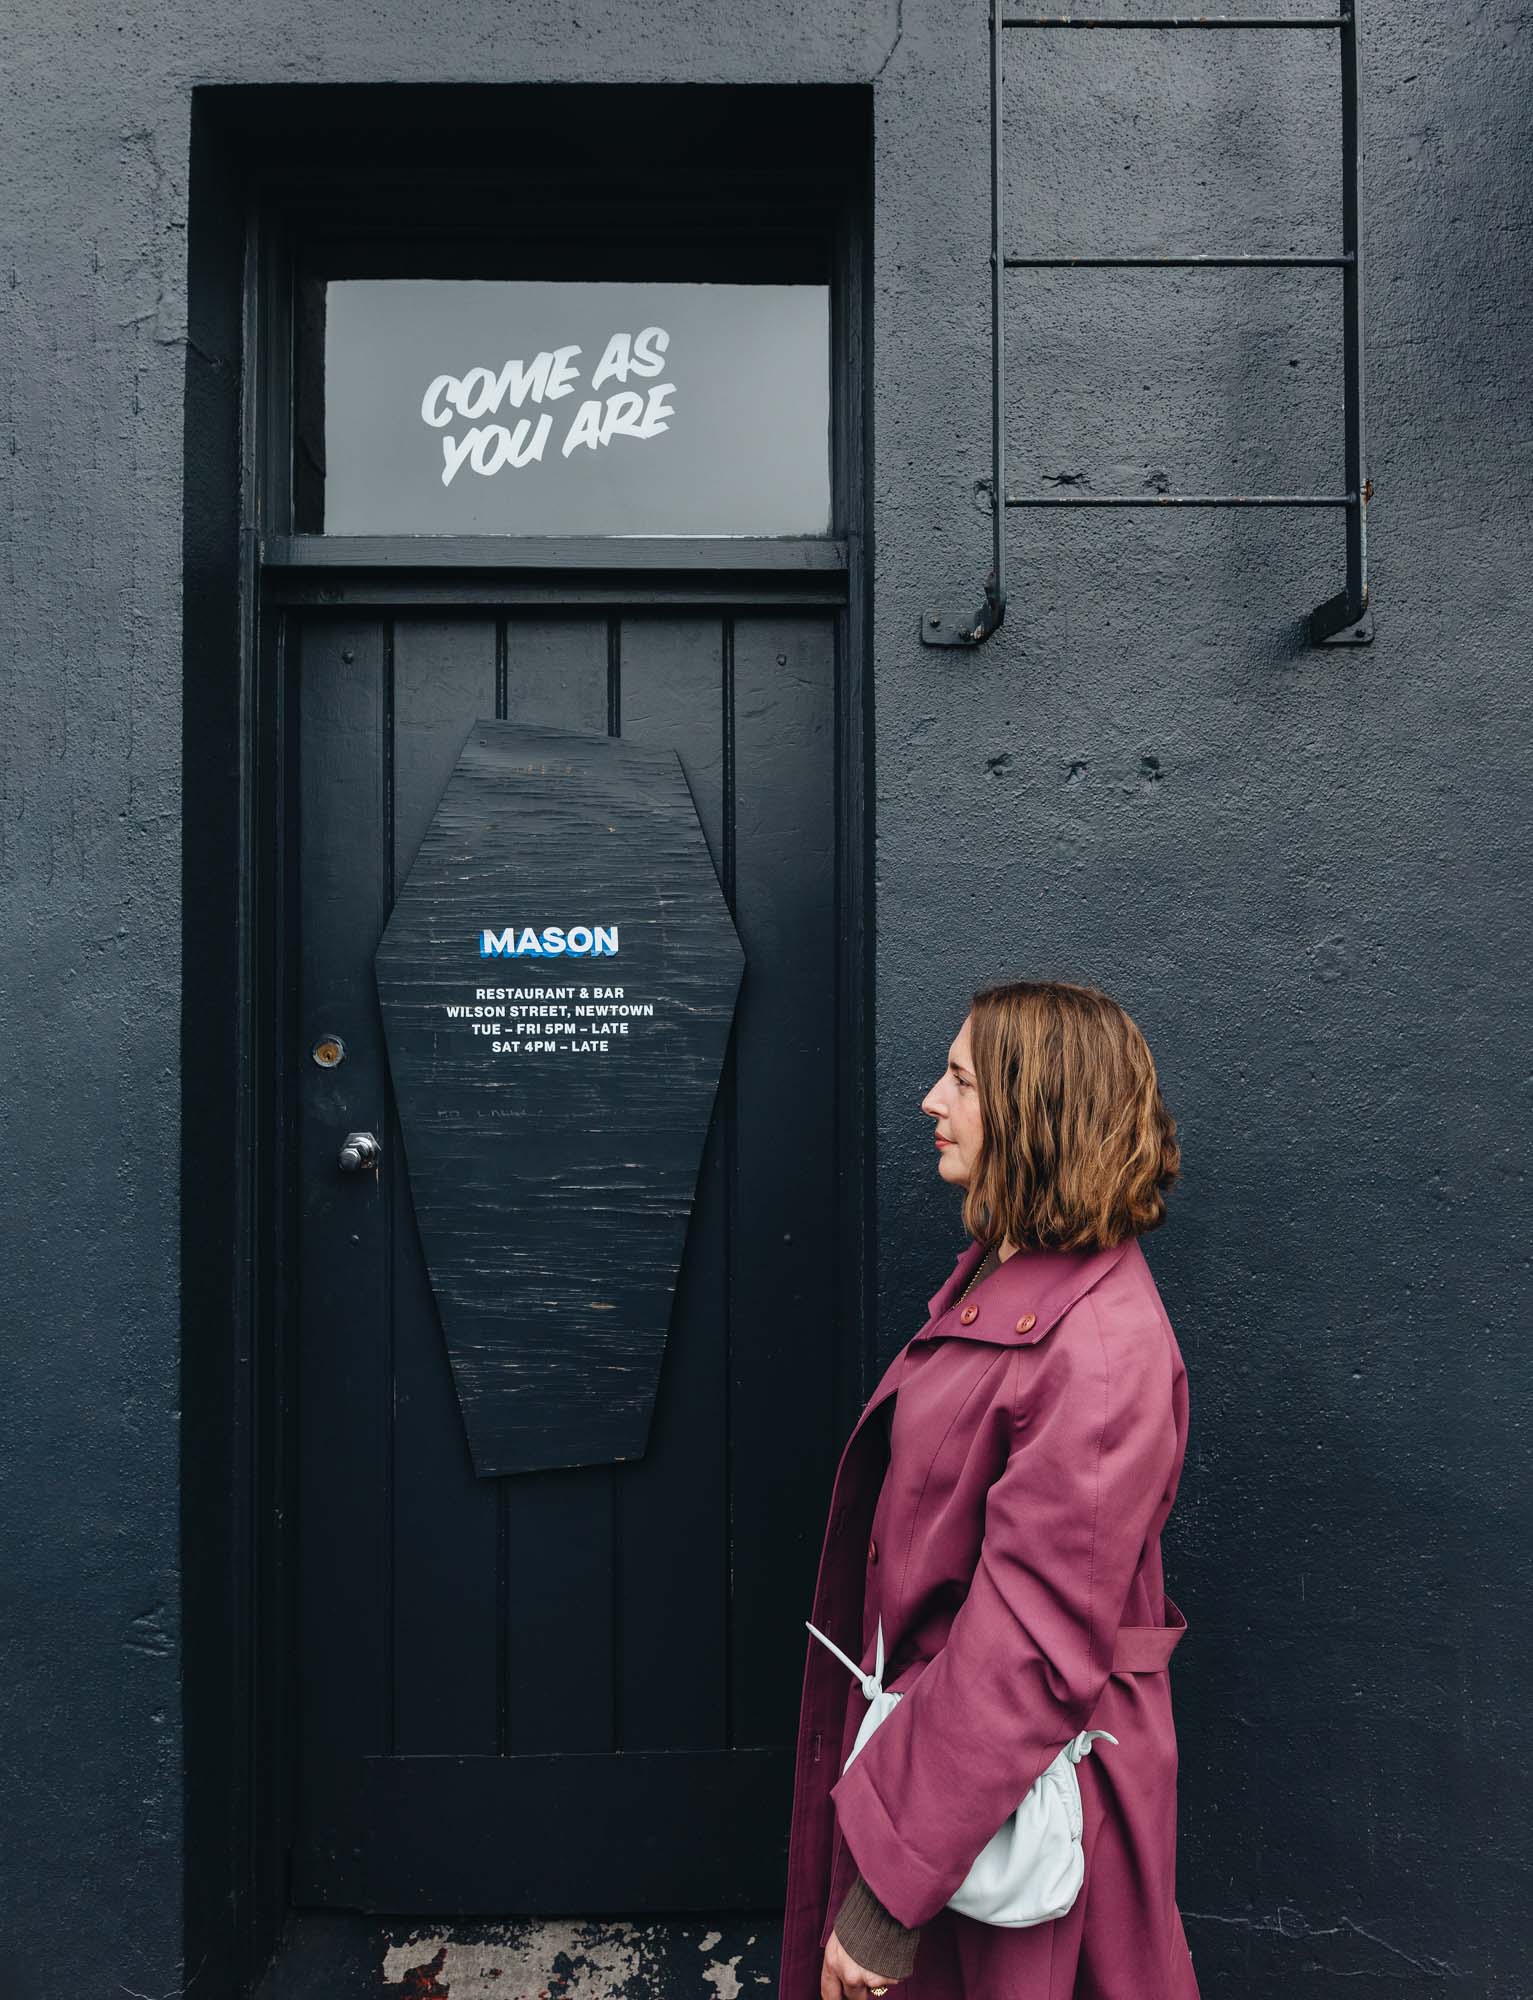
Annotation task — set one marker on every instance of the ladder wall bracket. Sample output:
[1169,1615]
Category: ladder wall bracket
[940,628]
[1332,624]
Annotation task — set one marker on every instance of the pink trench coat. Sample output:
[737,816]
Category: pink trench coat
[1013,1551]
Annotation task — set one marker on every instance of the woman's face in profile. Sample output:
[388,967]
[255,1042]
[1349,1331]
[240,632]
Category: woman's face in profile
[953,1101]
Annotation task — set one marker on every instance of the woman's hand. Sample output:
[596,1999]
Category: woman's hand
[842,1978]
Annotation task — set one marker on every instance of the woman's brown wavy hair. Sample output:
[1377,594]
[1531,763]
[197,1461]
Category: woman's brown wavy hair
[1078,1147]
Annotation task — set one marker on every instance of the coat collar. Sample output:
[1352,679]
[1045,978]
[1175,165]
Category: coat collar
[1036,1285]
[1043,1283]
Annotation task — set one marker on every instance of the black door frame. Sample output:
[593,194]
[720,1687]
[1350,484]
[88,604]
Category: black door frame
[237,1520]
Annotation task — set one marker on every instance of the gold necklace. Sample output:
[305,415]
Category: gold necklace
[979,1272]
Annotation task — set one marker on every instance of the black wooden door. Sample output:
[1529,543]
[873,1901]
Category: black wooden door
[571,1690]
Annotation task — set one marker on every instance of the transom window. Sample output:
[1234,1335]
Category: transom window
[460,406]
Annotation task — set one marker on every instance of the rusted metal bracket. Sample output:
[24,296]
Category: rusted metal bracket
[971,631]
[1343,620]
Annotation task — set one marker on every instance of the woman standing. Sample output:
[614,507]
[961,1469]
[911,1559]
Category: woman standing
[999,1507]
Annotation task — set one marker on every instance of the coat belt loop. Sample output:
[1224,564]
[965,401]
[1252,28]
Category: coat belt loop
[1147,1649]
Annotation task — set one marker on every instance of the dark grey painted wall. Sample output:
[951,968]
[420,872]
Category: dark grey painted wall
[1304,872]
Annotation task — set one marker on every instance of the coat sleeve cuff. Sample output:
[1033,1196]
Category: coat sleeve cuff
[874,1938]
[907,1887]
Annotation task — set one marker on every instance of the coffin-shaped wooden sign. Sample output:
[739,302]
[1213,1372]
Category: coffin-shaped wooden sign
[558,979]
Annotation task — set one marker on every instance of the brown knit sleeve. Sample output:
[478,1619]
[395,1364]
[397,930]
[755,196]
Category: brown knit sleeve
[874,1938]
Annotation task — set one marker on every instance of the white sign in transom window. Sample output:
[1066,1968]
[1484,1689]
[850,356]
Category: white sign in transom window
[544,407]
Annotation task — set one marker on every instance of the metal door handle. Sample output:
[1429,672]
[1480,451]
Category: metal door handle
[360,1150]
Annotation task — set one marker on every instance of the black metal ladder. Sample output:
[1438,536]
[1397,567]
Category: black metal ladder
[1343,620]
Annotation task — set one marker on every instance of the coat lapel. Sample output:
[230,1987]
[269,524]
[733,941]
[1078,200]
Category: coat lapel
[948,1289]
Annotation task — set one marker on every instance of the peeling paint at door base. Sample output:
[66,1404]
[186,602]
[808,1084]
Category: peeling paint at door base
[550,1960]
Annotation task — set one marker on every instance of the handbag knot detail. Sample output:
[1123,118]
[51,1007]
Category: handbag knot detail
[872,1684]
[1080,1746]
[1031,1869]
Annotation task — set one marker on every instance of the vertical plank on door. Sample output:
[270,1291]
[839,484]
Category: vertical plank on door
[345,1456]
[447,1604]
[561,1637]
[557,671]
[672,1523]
[783,1247]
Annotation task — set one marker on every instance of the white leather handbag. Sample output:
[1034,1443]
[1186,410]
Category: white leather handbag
[1031,1868]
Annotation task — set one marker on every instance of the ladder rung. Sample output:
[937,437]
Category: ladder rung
[1175,21]
[1184,500]
[1193,263]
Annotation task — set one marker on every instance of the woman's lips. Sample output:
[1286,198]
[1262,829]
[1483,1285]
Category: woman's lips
[944,1142]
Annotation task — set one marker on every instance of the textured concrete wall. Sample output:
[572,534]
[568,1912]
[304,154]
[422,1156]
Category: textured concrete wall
[1303,871]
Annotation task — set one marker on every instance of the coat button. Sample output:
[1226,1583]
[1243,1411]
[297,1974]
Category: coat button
[872,1550]
[969,1315]
[1027,1322]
